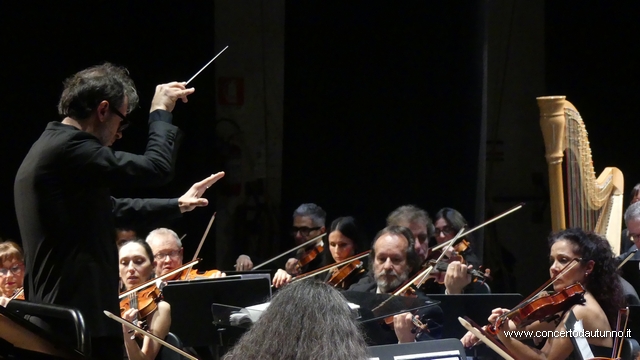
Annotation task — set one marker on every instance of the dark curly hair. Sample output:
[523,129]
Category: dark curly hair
[84,90]
[603,282]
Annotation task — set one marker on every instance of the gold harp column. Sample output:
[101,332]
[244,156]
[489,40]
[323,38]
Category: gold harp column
[553,124]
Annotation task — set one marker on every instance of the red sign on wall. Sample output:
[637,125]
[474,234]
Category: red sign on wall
[231,91]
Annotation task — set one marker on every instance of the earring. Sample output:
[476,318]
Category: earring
[586,273]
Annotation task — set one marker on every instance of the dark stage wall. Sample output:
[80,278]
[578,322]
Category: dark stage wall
[382,107]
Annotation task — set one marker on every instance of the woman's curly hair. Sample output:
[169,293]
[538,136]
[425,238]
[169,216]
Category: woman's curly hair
[603,282]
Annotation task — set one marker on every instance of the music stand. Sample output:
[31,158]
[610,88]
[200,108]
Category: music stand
[21,338]
[191,301]
[445,349]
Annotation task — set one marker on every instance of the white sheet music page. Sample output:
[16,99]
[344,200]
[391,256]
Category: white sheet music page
[578,339]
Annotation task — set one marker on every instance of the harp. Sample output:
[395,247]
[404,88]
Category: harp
[593,204]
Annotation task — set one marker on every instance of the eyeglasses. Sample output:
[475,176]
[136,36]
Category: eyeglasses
[304,230]
[124,123]
[15,269]
[173,254]
[447,230]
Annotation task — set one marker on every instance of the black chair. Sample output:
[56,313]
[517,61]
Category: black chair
[68,321]
[168,354]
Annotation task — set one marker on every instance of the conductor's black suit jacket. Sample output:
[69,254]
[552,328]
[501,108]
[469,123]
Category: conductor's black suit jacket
[67,217]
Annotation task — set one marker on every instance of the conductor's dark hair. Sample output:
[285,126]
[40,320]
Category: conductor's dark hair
[306,320]
[84,90]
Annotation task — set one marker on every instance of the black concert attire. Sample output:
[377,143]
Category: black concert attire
[379,333]
[67,217]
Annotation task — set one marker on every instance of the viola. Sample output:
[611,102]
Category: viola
[344,272]
[542,308]
[145,301]
[309,255]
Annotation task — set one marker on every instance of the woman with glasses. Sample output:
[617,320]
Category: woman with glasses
[344,241]
[11,272]
[136,267]
[447,224]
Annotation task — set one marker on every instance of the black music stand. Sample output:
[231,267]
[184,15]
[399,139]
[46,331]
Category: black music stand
[445,349]
[191,301]
[16,317]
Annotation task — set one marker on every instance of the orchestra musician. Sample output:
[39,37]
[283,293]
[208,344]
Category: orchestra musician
[62,196]
[632,222]
[345,240]
[308,223]
[416,220]
[448,223]
[596,271]
[136,267]
[11,272]
[168,251]
[393,259]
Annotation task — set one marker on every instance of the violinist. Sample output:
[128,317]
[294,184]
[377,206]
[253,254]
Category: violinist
[345,240]
[456,279]
[168,251]
[11,271]
[136,267]
[392,261]
[416,220]
[308,223]
[596,272]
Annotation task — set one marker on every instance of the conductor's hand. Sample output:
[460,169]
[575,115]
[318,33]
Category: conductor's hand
[244,263]
[292,266]
[280,278]
[402,325]
[167,94]
[192,198]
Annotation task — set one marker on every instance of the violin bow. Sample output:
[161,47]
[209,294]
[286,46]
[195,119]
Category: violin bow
[153,281]
[549,282]
[133,327]
[422,276]
[330,266]
[17,293]
[206,232]
[618,342]
[631,254]
[454,241]
[204,67]
[492,343]
[290,250]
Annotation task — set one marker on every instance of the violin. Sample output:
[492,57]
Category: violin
[344,272]
[145,301]
[18,295]
[544,308]
[191,274]
[441,268]
[309,256]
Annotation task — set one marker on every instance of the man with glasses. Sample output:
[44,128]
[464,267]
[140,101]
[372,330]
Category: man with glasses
[308,222]
[66,215]
[168,251]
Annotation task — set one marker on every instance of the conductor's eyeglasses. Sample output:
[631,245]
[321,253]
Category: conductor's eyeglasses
[124,123]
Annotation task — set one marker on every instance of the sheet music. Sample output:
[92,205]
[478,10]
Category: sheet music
[579,342]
